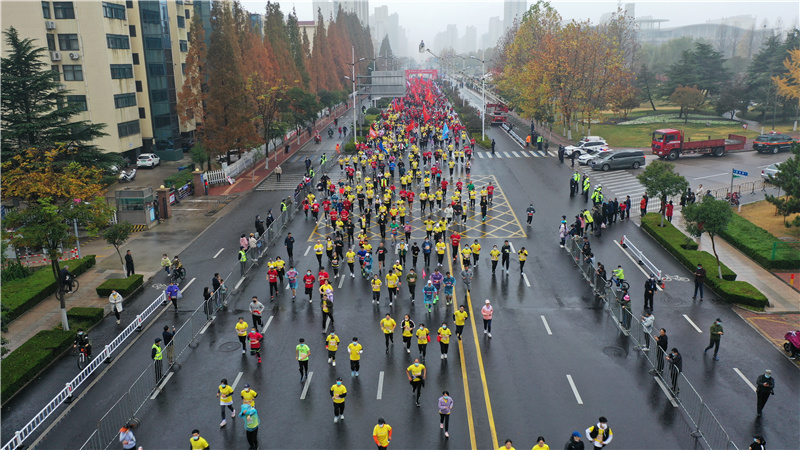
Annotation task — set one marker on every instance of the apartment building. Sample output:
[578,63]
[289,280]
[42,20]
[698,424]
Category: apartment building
[121,61]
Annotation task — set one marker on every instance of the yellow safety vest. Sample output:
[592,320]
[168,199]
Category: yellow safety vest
[158,352]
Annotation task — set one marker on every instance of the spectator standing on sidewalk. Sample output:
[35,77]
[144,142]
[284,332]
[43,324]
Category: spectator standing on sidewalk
[716,333]
[129,264]
[647,327]
[650,287]
[765,386]
[116,303]
[156,354]
[676,361]
[662,341]
[278,172]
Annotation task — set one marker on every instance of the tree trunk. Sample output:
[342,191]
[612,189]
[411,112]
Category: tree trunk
[714,249]
[120,259]
[63,303]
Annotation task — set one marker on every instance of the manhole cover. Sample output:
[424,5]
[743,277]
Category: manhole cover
[673,300]
[230,346]
[615,352]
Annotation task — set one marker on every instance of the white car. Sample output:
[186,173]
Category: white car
[148,160]
[586,158]
[584,145]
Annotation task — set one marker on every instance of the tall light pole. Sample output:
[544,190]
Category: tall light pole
[483,93]
[353,66]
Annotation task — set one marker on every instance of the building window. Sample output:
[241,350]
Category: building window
[150,16]
[189,36]
[159,96]
[186,14]
[132,30]
[124,100]
[183,69]
[77,100]
[129,4]
[56,73]
[153,43]
[119,71]
[68,42]
[51,42]
[46,10]
[118,41]
[162,121]
[128,128]
[156,70]
[113,11]
[139,86]
[184,45]
[63,10]
[142,114]
[181,22]
[135,59]
[73,72]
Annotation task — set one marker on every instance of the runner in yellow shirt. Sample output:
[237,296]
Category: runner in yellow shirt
[494,255]
[225,400]
[318,250]
[523,256]
[444,339]
[197,442]
[355,350]
[241,332]
[338,392]
[388,325]
[350,256]
[332,344]
[382,434]
[460,317]
[392,281]
[441,247]
[376,289]
[476,252]
[248,395]
[416,376]
[466,252]
[423,337]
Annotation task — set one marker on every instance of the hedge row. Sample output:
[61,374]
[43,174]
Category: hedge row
[683,249]
[179,178]
[22,365]
[757,243]
[125,286]
[22,295]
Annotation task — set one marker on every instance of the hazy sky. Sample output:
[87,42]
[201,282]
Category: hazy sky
[423,19]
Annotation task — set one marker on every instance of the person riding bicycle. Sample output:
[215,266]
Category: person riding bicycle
[177,266]
[66,279]
[82,341]
[618,275]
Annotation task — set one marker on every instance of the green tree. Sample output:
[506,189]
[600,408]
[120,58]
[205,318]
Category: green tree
[660,180]
[35,113]
[200,156]
[732,98]
[54,196]
[648,85]
[385,50]
[687,98]
[302,109]
[710,216]
[297,47]
[788,179]
[116,235]
[702,67]
[765,65]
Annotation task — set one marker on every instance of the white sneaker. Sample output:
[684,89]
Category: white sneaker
[442,357]
[233,413]
[390,303]
[341,417]
[490,334]
[441,425]
[484,331]
[333,363]
[352,275]
[244,351]
[118,322]
[445,356]
[408,350]
[223,423]
[336,419]
[329,360]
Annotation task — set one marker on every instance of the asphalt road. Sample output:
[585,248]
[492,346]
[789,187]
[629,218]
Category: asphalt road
[555,363]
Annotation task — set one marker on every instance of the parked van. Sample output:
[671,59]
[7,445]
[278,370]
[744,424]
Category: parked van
[618,159]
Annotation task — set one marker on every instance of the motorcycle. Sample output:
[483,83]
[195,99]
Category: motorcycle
[127,176]
[732,198]
[792,344]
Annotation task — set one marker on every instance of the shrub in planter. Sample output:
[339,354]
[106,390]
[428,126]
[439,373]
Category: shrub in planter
[125,286]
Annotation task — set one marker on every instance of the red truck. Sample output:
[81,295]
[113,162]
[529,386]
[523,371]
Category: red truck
[497,112]
[670,144]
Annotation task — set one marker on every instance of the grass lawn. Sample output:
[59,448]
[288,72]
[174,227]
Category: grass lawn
[621,136]
[763,214]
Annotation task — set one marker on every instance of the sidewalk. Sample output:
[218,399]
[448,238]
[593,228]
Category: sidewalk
[782,297]
[170,237]
[251,178]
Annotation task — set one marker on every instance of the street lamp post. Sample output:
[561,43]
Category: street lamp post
[353,66]
[483,93]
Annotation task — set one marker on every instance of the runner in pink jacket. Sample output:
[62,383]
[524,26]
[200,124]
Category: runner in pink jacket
[487,312]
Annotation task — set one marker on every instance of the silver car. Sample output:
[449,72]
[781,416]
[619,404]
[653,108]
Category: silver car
[770,170]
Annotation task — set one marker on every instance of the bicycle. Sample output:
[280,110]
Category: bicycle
[83,357]
[177,275]
[64,288]
[622,284]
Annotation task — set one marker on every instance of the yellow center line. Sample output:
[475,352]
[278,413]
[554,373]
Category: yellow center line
[486,397]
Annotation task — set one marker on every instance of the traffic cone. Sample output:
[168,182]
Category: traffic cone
[663,283]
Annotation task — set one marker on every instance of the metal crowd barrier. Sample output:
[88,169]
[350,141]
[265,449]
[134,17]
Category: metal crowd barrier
[640,258]
[705,426]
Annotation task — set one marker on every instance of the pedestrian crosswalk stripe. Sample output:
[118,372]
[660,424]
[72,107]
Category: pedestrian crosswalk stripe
[515,154]
[497,155]
[506,155]
[525,155]
[533,154]
[552,153]
[542,153]
[480,155]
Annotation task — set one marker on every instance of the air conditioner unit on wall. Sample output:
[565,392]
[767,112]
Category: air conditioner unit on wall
[50,24]
[61,87]
[74,55]
[55,56]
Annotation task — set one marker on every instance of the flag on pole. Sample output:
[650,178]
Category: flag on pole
[425,114]
[445,131]
[372,133]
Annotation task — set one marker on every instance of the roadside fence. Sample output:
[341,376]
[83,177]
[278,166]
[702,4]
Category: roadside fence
[707,430]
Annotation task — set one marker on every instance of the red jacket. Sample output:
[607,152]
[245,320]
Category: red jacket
[309,280]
